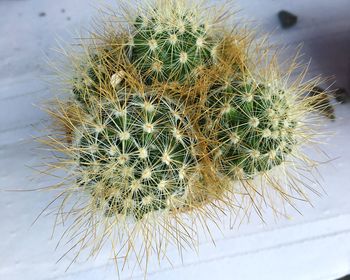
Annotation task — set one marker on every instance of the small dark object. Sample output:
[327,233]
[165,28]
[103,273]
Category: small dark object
[322,103]
[68,18]
[42,14]
[63,11]
[340,95]
[287,19]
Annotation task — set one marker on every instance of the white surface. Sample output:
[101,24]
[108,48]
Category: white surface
[314,246]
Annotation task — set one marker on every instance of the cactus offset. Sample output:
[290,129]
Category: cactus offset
[257,127]
[171,47]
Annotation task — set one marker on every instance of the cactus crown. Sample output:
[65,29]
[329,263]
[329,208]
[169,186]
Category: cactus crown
[171,43]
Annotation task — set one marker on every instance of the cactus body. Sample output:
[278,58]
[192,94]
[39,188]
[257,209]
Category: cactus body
[135,155]
[171,49]
[176,120]
[256,127]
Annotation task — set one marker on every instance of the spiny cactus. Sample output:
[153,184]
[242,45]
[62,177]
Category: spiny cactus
[168,118]
[256,127]
[171,47]
[136,155]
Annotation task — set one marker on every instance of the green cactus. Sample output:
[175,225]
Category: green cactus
[176,119]
[135,155]
[95,73]
[256,127]
[172,48]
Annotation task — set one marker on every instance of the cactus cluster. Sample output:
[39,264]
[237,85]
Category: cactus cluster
[167,117]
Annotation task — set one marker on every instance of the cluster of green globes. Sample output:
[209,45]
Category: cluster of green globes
[137,153]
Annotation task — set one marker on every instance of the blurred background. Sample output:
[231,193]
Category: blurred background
[311,246]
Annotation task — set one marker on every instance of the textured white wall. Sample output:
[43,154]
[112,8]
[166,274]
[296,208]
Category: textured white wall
[314,246]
